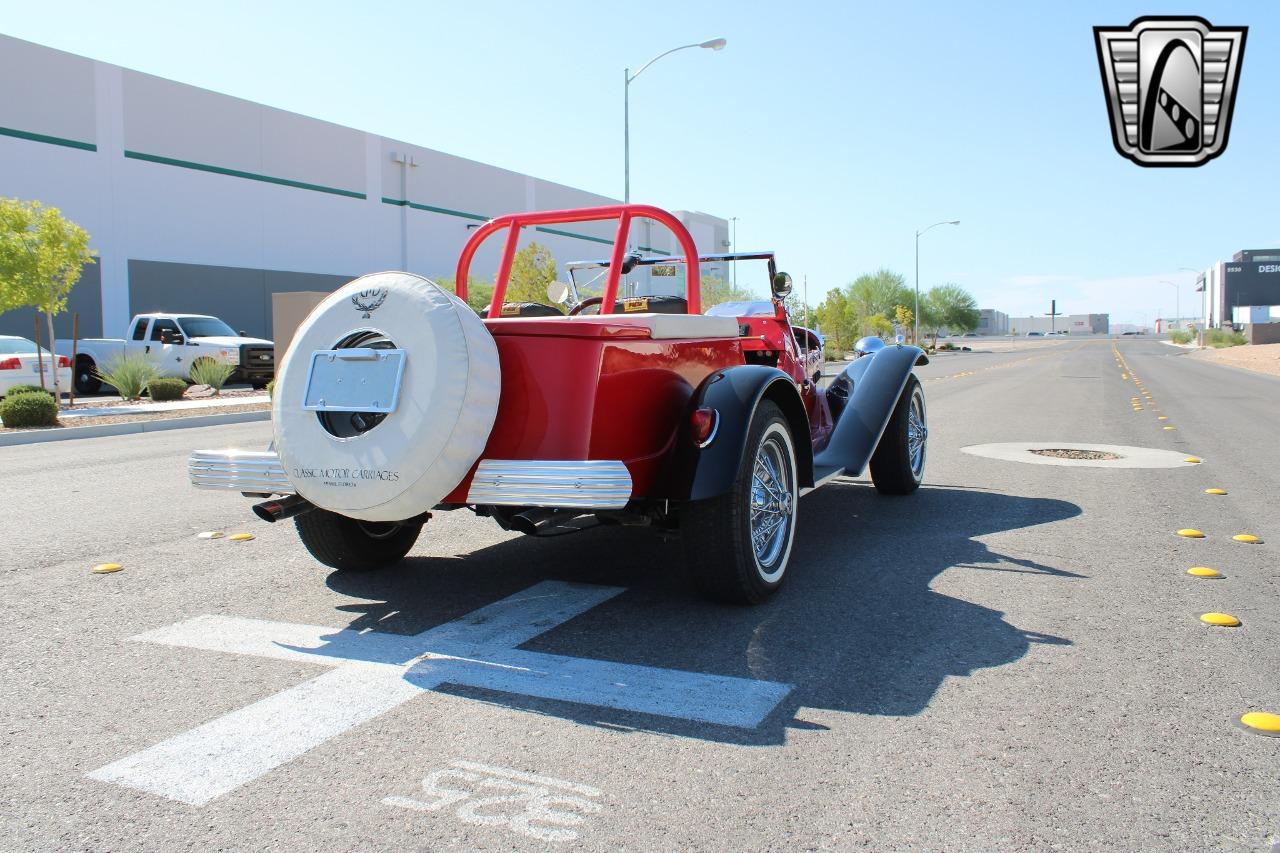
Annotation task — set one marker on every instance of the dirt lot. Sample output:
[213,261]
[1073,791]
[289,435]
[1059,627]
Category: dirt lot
[1264,358]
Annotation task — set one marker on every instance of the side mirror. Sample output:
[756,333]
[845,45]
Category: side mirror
[242,333]
[558,292]
[781,285]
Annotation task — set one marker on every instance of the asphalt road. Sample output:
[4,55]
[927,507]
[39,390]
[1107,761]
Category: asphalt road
[1010,659]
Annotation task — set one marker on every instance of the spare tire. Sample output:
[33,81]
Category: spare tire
[393,466]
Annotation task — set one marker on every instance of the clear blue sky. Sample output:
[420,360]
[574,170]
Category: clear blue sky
[833,130]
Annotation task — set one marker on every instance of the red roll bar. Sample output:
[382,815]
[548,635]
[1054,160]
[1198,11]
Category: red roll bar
[624,213]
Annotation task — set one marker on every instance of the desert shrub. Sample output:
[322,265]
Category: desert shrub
[29,410]
[206,371]
[166,388]
[1179,337]
[1223,338]
[14,390]
[271,389]
[129,374]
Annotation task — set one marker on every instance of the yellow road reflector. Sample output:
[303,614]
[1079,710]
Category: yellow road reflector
[1162,417]
[106,568]
[1262,723]
[1204,572]
[1222,620]
[211,534]
[1166,429]
[240,537]
[1247,537]
[1215,491]
[1191,533]
[1124,376]
[1192,459]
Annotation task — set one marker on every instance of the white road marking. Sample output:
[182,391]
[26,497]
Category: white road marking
[374,672]
[526,804]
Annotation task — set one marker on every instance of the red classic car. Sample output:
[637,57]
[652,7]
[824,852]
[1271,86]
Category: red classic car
[395,399]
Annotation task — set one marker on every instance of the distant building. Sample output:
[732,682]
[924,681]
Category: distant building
[1075,324]
[1241,290]
[992,322]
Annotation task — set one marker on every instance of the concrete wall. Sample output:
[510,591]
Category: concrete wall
[1262,333]
[196,201]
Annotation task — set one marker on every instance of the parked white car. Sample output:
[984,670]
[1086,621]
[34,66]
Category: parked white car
[19,365]
[175,342]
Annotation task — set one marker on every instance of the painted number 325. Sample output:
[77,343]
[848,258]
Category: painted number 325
[536,806]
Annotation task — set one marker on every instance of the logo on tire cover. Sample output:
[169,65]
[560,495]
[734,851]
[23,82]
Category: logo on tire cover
[369,301]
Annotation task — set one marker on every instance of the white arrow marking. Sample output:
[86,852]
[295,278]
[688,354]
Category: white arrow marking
[374,672]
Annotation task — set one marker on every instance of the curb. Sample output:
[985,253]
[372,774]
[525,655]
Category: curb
[131,428]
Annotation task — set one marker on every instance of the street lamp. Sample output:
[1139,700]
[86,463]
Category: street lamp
[713,44]
[915,332]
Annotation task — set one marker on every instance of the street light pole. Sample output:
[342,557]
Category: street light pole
[627,77]
[915,332]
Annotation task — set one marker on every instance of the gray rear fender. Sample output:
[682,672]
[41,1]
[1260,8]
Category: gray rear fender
[873,384]
[734,393]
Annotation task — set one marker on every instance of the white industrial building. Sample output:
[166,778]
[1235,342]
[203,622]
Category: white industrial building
[201,202]
[1075,324]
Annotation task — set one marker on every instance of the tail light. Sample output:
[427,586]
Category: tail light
[63,361]
[10,364]
[704,423]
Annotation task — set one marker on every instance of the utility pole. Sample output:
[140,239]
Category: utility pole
[1053,315]
[734,249]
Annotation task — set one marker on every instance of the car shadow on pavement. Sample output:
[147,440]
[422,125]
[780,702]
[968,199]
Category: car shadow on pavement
[857,628]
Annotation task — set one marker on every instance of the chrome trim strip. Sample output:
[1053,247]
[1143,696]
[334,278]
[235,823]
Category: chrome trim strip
[239,471]
[589,484]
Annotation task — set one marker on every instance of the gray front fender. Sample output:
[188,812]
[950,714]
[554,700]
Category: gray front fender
[877,381]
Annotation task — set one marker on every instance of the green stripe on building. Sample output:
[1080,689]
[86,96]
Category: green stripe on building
[413,205]
[48,140]
[236,173]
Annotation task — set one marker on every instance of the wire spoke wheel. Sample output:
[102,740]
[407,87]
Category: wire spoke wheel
[738,543]
[897,466]
[771,500]
[917,433]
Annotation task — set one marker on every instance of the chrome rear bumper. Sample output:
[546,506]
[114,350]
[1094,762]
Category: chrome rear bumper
[592,484]
[255,471]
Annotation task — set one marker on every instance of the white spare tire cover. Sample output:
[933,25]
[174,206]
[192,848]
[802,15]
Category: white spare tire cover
[448,400]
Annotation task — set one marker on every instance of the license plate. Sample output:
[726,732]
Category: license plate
[354,380]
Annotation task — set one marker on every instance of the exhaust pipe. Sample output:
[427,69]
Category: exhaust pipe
[279,508]
[536,521]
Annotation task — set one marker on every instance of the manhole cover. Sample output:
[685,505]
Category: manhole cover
[1067,453]
[1081,454]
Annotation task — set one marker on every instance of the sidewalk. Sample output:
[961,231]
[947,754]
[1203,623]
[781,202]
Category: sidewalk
[147,408]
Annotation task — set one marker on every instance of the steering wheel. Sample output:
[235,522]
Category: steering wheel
[590,302]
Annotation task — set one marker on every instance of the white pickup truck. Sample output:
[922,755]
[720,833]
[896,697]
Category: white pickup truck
[175,342]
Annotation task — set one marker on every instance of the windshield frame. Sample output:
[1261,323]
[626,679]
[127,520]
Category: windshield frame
[574,266]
